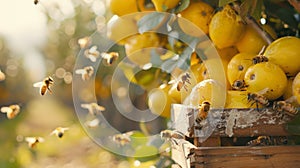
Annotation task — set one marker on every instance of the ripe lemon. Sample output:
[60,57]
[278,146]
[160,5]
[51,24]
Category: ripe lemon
[296,87]
[251,42]
[199,13]
[164,5]
[159,102]
[237,99]
[285,53]
[226,28]
[266,75]
[120,7]
[238,65]
[207,90]
[138,47]
[120,28]
[227,53]
[289,89]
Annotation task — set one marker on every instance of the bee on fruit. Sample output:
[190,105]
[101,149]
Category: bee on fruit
[202,113]
[93,108]
[92,53]
[259,59]
[267,141]
[182,83]
[44,85]
[285,107]
[11,111]
[110,57]
[170,135]
[258,98]
[59,131]
[86,72]
[122,139]
[239,84]
[33,141]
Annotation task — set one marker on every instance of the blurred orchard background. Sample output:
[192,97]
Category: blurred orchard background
[37,41]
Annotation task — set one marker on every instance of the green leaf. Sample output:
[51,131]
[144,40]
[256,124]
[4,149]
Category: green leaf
[150,21]
[225,2]
[182,6]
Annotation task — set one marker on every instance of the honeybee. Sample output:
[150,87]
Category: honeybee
[285,107]
[92,53]
[11,111]
[202,113]
[36,2]
[93,123]
[59,131]
[2,76]
[44,85]
[33,141]
[170,134]
[110,57]
[122,139]
[83,42]
[239,84]
[182,83]
[86,72]
[267,140]
[259,59]
[258,98]
[93,108]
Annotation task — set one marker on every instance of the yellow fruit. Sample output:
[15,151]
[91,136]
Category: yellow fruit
[288,93]
[237,99]
[164,5]
[207,90]
[266,75]
[285,53]
[121,7]
[199,13]
[227,53]
[296,87]
[226,28]
[120,28]
[138,47]
[251,42]
[159,102]
[238,66]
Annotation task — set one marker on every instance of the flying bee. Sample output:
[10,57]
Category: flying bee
[122,139]
[267,141]
[86,72]
[286,107]
[11,111]
[93,108]
[92,53]
[182,83]
[202,113]
[110,57]
[83,42]
[239,84]
[2,76]
[258,98]
[59,131]
[44,85]
[36,2]
[93,123]
[33,141]
[170,135]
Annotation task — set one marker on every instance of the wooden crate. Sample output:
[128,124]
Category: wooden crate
[233,123]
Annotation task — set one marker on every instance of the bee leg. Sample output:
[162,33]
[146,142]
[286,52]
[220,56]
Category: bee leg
[50,91]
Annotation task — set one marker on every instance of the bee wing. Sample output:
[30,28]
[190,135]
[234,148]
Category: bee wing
[6,110]
[40,139]
[262,92]
[53,132]
[93,123]
[291,99]
[100,108]
[30,139]
[80,71]
[93,49]
[92,58]
[65,129]
[38,84]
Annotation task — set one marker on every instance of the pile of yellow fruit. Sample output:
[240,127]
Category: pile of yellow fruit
[239,45]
